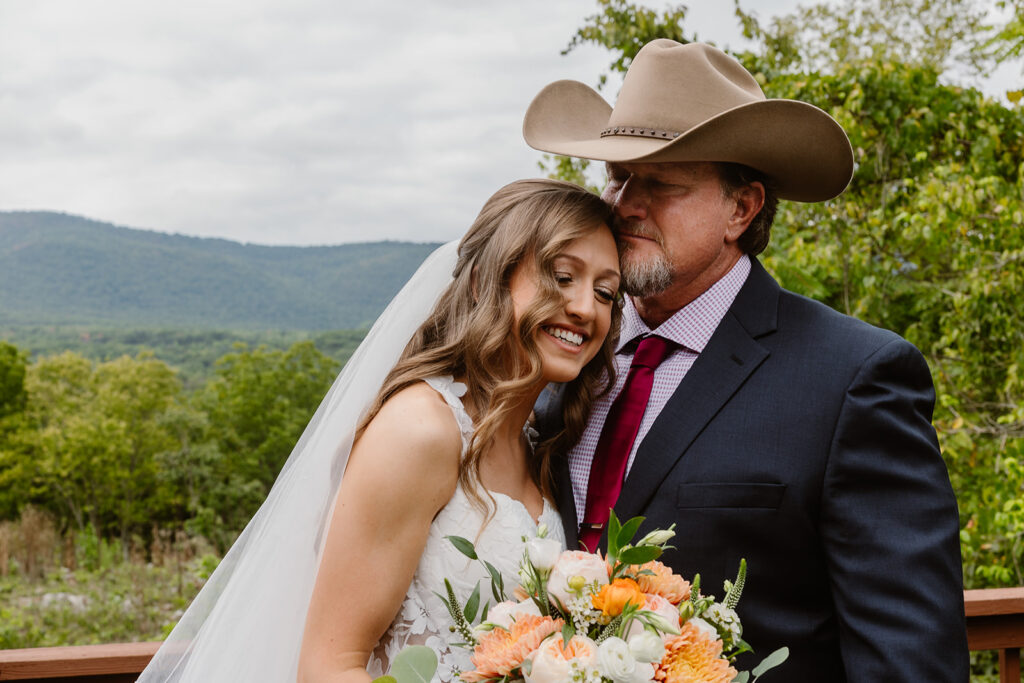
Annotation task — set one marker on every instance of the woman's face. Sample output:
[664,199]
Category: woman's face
[587,273]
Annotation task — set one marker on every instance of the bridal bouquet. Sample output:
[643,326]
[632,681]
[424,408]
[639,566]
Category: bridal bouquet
[620,618]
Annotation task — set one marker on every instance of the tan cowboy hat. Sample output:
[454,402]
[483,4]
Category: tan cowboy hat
[695,103]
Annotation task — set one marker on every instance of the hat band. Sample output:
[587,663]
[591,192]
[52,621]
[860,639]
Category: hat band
[639,132]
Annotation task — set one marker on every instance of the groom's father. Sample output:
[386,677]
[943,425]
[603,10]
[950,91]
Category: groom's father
[775,428]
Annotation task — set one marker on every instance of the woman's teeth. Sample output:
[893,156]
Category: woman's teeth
[565,335]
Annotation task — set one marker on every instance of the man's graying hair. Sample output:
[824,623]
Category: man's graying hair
[734,177]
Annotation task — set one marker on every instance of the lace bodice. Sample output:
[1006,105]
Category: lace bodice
[423,618]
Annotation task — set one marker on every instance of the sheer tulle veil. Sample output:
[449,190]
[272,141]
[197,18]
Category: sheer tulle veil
[246,623]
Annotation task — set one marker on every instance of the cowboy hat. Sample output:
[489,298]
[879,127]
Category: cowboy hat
[693,102]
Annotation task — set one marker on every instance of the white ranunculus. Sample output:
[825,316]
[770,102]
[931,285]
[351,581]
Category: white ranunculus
[575,563]
[616,661]
[647,647]
[543,552]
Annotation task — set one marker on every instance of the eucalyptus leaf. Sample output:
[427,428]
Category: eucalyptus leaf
[742,677]
[384,679]
[770,662]
[463,546]
[414,664]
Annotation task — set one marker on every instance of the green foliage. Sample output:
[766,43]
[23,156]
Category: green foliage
[192,352]
[624,27]
[60,269]
[12,379]
[259,405]
[936,34]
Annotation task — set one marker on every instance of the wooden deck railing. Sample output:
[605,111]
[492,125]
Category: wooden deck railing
[995,621]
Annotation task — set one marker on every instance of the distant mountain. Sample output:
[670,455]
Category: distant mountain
[57,269]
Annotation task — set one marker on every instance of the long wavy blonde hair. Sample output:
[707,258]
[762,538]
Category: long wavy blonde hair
[472,333]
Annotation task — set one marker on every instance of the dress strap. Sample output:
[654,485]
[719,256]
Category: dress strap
[452,392]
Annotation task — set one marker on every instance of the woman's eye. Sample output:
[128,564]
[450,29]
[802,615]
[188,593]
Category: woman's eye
[605,295]
[563,278]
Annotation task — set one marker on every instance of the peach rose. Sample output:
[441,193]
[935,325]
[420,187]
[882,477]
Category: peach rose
[552,663]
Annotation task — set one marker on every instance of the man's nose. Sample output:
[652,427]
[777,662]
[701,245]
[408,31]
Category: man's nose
[629,200]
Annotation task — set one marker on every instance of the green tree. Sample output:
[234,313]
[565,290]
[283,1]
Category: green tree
[89,444]
[12,379]
[257,408]
[12,405]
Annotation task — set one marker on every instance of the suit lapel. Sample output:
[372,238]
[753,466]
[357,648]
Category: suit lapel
[565,500]
[730,357]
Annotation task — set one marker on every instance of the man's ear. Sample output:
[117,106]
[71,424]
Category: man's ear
[749,200]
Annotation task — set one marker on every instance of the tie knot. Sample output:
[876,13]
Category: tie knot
[651,351]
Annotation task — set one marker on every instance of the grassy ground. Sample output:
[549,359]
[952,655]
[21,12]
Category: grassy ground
[124,603]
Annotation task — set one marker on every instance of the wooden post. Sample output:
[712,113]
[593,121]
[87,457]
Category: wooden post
[1009,665]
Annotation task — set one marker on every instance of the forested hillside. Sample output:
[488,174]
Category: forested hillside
[62,269]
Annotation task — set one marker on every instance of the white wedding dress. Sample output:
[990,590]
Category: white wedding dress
[423,619]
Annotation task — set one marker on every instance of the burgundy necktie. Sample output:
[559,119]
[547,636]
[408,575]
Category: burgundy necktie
[608,468]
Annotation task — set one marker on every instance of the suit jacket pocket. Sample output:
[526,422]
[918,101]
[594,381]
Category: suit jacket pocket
[730,495]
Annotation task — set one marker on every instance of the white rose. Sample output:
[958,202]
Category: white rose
[647,647]
[543,552]
[572,563]
[549,662]
[616,661]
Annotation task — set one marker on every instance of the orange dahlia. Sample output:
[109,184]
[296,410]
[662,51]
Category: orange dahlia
[693,657]
[499,651]
[663,582]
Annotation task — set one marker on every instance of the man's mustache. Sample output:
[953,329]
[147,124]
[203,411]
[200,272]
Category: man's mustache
[638,229]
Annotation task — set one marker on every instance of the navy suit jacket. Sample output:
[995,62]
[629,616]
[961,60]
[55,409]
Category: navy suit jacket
[801,439]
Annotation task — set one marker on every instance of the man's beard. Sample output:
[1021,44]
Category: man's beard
[644,277]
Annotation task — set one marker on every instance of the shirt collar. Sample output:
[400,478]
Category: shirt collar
[693,324]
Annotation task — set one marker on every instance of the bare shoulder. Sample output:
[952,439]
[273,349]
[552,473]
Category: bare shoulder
[414,436]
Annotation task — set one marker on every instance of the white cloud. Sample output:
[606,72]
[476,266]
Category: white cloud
[307,122]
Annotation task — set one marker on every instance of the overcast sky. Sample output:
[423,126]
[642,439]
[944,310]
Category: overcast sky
[286,121]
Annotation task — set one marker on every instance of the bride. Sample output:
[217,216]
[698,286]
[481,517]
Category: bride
[428,423]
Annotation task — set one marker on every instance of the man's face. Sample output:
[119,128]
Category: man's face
[676,228]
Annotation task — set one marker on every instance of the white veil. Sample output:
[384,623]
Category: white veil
[246,623]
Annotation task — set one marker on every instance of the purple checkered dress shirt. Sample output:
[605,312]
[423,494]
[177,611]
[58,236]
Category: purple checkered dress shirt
[691,327]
